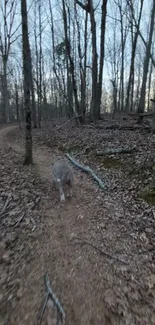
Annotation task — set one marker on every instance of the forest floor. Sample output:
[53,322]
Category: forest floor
[39,235]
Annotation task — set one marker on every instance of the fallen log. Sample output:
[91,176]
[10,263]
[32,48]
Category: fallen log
[115,151]
[124,127]
[141,114]
[86,169]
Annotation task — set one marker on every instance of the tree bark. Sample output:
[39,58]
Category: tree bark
[27,83]
[134,46]
[96,78]
[40,67]
[141,107]
[102,51]
[82,65]
[5,91]
[17,105]
[68,50]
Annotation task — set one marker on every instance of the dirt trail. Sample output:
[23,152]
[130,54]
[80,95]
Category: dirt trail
[92,288]
[42,158]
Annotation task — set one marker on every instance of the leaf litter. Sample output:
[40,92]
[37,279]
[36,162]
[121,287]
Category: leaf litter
[92,288]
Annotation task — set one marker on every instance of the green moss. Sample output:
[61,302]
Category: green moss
[109,162]
[148,195]
[136,172]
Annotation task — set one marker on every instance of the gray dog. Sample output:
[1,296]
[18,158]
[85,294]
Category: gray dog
[63,175]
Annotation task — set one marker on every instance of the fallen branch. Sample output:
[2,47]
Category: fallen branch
[133,128]
[86,169]
[73,118]
[115,151]
[50,294]
[34,224]
[101,251]
[43,309]
[54,298]
[19,221]
[124,127]
[135,114]
[5,205]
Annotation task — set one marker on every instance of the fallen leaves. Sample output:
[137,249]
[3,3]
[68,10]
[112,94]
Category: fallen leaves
[20,195]
[118,221]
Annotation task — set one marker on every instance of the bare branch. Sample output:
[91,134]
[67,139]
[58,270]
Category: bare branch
[84,7]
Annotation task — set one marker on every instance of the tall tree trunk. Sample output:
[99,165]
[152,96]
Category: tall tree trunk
[36,65]
[17,105]
[40,66]
[5,92]
[83,84]
[122,70]
[93,110]
[123,41]
[114,97]
[102,50]
[8,13]
[96,78]
[141,107]
[34,112]
[27,82]
[149,86]
[136,102]
[70,110]
[72,70]
[134,46]
[81,63]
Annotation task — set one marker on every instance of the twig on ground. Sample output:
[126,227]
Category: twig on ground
[34,224]
[86,169]
[54,298]
[51,294]
[100,250]
[5,205]
[19,220]
[43,309]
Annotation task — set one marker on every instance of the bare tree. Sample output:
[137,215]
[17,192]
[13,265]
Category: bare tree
[102,52]
[72,69]
[134,45]
[55,50]
[27,82]
[113,59]
[123,32]
[17,104]
[40,65]
[82,58]
[7,38]
[96,78]
[141,107]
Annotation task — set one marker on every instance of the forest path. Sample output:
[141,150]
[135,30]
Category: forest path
[56,252]
[41,157]
[91,287]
